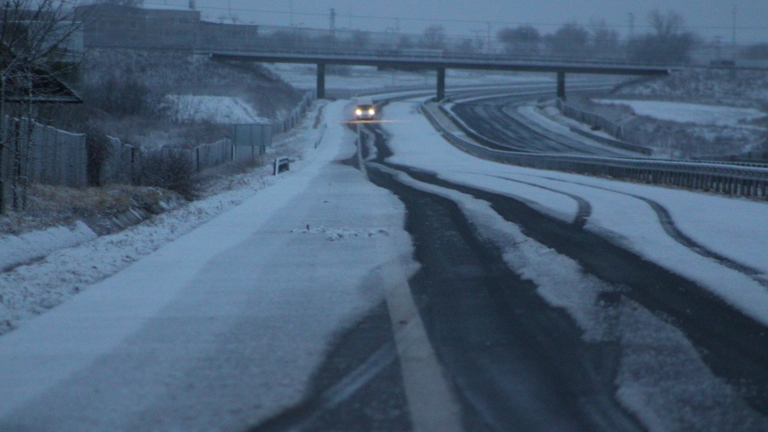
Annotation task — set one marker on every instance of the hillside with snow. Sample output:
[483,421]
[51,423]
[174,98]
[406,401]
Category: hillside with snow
[693,113]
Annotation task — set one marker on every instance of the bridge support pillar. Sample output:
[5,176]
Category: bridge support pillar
[321,80]
[561,85]
[440,84]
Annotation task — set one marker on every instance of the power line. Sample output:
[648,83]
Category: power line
[448,20]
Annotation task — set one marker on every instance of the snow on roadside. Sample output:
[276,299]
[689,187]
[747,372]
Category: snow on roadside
[705,115]
[214,109]
[37,244]
[30,290]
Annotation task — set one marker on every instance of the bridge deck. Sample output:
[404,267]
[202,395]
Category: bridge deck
[440,63]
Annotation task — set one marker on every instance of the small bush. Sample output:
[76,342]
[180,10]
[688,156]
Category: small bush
[98,150]
[758,51]
[170,169]
[121,96]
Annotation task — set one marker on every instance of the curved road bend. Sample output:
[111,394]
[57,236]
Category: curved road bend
[495,122]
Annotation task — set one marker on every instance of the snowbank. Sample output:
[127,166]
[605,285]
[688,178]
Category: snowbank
[215,109]
[15,250]
[706,115]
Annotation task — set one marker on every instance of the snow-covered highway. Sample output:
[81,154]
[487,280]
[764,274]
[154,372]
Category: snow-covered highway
[408,285]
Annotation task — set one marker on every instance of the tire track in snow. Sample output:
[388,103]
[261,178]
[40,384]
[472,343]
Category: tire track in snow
[585,208]
[667,223]
[501,344]
[735,345]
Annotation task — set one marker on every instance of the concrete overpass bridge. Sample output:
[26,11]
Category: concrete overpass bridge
[437,63]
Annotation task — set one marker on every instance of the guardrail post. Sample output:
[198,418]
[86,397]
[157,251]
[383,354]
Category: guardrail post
[321,80]
[440,84]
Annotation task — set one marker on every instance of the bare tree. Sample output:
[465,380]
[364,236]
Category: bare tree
[33,36]
[605,40]
[433,37]
[758,51]
[570,40]
[361,39]
[667,24]
[405,42]
[669,43]
[523,40]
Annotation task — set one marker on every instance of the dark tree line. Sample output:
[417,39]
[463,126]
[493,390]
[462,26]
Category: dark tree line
[667,42]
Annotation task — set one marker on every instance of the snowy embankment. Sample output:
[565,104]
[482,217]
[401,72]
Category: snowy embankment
[15,250]
[214,109]
[706,115]
[661,377]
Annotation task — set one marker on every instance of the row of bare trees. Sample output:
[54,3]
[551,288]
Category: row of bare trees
[33,34]
[666,43]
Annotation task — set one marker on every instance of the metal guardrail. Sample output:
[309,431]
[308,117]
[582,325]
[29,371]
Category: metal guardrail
[749,180]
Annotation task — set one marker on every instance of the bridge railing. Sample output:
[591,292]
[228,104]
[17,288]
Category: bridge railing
[749,180]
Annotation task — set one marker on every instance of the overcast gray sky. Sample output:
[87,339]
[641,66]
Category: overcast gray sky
[709,18]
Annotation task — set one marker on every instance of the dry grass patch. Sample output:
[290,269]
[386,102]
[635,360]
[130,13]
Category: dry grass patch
[58,205]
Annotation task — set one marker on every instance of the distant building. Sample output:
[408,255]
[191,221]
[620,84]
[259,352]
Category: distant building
[107,25]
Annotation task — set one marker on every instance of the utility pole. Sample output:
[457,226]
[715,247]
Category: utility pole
[718,40]
[333,22]
[489,37]
[290,4]
[631,25]
[733,40]
[478,39]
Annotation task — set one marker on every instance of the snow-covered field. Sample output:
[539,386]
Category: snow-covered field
[707,115]
[702,119]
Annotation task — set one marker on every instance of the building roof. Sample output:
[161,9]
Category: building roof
[84,12]
[35,85]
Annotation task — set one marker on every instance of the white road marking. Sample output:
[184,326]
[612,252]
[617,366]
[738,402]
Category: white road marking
[432,404]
